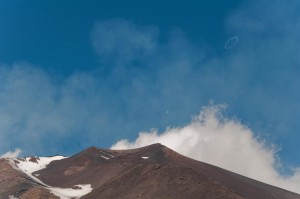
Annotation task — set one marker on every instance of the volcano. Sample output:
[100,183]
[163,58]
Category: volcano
[154,171]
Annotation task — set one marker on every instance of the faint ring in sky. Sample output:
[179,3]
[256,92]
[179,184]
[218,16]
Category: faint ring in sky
[231,42]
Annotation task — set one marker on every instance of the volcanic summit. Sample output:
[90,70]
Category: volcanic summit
[154,171]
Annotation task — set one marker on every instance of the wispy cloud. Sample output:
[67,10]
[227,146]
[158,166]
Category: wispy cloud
[213,138]
[11,154]
[41,112]
[123,41]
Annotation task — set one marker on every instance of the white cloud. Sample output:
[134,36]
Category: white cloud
[11,154]
[224,142]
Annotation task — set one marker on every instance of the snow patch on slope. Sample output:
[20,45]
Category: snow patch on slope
[104,157]
[29,165]
[68,193]
[106,153]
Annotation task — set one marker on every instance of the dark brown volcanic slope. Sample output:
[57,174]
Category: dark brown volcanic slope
[150,172]
[164,174]
[13,182]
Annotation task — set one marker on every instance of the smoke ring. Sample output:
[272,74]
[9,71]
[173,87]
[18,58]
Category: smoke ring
[231,42]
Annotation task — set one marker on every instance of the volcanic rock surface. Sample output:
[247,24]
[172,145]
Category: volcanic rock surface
[154,171]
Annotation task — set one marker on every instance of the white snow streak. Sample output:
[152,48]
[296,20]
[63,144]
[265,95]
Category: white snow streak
[28,167]
[105,157]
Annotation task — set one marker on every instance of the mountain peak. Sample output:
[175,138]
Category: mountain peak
[153,171]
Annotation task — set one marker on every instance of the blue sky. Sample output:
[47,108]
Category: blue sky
[78,73]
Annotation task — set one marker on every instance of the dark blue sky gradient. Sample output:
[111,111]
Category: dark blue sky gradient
[56,34]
